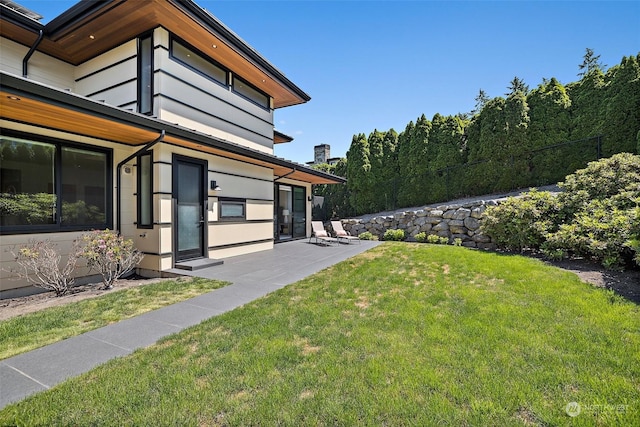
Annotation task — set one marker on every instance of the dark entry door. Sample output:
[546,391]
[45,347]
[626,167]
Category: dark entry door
[188,192]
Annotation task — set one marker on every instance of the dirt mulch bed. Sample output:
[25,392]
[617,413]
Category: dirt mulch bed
[12,307]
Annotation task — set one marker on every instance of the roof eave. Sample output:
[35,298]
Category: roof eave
[25,87]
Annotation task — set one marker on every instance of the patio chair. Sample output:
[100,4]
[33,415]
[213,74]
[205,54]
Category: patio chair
[320,233]
[341,233]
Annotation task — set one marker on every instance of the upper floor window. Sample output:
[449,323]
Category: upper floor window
[49,185]
[145,75]
[198,62]
[252,94]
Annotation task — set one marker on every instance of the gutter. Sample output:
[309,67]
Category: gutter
[119,176]
[25,60]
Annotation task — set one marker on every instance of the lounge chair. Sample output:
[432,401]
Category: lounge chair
[320,233]
[341,233]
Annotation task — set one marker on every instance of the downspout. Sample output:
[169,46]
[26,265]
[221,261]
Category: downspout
[119,176]
[25,61]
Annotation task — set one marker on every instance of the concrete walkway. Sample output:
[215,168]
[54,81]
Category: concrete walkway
[252,277]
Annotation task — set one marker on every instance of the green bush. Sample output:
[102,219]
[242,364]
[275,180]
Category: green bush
[394,235]
[523,222]
[597,216]
[421,237]
[437,240]
[367,236]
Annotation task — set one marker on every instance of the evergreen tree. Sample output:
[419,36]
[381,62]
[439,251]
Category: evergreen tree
[389,174]
[621,107]
[358,174]
[549,107]
[481,100]
[590,62]
[517,85]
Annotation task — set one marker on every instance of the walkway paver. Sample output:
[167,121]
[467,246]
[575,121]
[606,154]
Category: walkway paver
[252,276]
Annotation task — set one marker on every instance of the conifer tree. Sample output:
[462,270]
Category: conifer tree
[358,174]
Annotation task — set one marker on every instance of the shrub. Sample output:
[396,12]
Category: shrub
[597,215]
[616,178]
[39,263]
[522,222]
[367,235]
[110,254]
[457,241]
[394,235]
[437,240]
[421,237]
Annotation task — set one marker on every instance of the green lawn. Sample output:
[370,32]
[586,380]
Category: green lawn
[404,334]
[30,331]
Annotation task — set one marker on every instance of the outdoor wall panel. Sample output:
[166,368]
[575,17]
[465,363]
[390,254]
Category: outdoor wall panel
[41,67]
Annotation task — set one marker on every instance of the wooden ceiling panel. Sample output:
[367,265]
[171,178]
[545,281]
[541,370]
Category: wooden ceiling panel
[25,110]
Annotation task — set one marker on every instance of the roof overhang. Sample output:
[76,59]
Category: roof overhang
[93,27]
[281,138]
[27,102]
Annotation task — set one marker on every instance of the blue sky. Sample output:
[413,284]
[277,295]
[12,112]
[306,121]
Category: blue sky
[380,64]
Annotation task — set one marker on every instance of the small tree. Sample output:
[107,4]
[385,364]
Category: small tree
[110,255]
[39,263]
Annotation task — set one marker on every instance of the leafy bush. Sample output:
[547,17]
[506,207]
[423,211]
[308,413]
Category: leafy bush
[616,178]
[38,263]
[523,222]
[421,237]
[367,235]
[597,215]
[394,235]
[437,240]
[110,254]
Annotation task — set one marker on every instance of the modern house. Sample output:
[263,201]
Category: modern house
[149,117]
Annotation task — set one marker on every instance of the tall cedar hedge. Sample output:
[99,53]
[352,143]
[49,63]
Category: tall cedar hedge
[507,142]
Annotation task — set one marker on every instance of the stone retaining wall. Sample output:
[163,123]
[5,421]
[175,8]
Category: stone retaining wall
[453,221]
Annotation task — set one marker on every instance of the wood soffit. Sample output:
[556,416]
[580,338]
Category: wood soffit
[120,21]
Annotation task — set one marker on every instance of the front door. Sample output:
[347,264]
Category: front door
[188,193]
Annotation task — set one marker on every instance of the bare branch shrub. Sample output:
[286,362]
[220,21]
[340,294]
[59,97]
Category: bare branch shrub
[110,255]
[38,262]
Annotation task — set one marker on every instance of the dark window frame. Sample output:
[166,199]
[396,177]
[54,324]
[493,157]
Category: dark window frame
[59,225]
[141,197]
[174,39]
[232,201]
[145,96]
[266,105]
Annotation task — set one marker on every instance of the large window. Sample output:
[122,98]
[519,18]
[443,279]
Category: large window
[52,185]
[145,75]
[198,63]
[145,191]
[252,94]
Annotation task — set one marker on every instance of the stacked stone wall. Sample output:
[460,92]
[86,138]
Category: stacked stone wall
[455,221]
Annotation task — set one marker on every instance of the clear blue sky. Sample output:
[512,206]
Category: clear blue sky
[380,64]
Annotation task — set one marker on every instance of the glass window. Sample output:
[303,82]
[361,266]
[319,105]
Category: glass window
[232,210]
[245,89]
[145,75]
[27,182]
[145,191]
[198,63]
[50,185]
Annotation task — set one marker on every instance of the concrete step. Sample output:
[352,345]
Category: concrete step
[198,264]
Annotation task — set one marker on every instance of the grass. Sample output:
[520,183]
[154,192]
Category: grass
[404,334]
[30,331]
